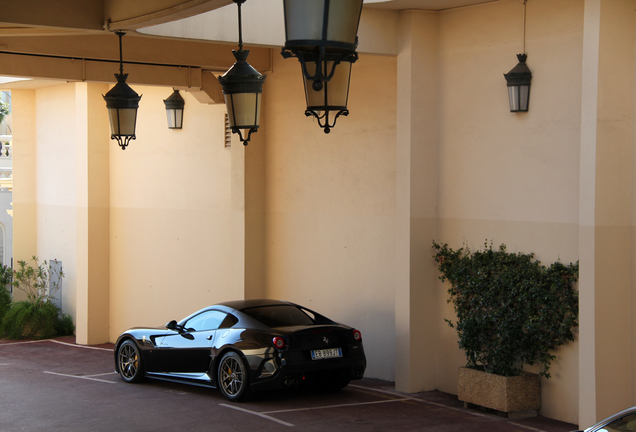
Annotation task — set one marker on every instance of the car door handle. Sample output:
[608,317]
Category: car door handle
[210,337]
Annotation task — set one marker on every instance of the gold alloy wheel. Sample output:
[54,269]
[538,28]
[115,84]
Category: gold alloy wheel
[231,378]
[128,361]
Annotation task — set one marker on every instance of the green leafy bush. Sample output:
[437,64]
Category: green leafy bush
[64,325]
[511,310]
[5,301]
[5,295]
[37,317]
[29,321]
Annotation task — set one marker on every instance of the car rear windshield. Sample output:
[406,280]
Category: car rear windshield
[279,316]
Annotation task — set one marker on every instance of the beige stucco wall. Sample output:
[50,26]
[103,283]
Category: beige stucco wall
[56,183]
[511,178]
[330,204]
[24,175]
[176,216]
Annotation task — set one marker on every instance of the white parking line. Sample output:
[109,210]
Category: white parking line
[414,399]
[79,346]
[57,342]
[102,374]
[80,377]
[337,406]
[463,410]
[23,342]
[257,414]
[264,414]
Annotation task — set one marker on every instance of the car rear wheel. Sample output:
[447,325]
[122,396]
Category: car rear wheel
[129,363]
[233,377]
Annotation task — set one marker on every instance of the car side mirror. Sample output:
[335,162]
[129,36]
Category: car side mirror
[172,325]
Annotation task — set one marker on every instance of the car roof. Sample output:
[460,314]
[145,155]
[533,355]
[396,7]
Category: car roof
[244,304]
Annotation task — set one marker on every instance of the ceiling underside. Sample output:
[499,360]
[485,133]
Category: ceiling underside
[434,5]
[37,35]
[72,17]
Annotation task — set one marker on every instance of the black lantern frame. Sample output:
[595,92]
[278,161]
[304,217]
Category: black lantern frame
[243,88]
[174,110]
[122,103]
[518,82]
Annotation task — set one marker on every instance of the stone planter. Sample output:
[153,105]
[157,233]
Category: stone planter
[518,396]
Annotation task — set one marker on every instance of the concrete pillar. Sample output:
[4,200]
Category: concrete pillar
[255,212]
[248,197]
[93,214]
[416,317]
[605,218]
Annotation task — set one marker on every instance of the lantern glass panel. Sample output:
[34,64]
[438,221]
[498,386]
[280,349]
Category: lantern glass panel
[513,96]
[334,93]
[122,121]
[243,109]
[344,16]
[175,118]
[304,20]
[518,96]
[524,93]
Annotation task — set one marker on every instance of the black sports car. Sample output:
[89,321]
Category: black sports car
[244,346]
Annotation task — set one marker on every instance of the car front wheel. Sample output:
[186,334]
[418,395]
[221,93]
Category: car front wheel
[129,362]
[233,377]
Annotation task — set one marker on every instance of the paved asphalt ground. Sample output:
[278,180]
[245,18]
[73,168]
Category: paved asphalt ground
[55,385]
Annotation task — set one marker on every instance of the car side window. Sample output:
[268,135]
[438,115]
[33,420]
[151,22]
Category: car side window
[229,321]
[208,320]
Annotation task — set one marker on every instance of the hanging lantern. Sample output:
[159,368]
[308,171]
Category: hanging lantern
[174,110]
[122,103]
[518,81]
[242,87]
[322,34]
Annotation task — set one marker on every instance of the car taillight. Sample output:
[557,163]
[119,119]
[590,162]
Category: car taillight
[357,335]
[279,343]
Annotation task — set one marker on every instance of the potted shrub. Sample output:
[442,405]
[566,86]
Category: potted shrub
[511,311]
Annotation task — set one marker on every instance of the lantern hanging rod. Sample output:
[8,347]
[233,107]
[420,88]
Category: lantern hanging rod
[240,24]
[524,25]
[121,55]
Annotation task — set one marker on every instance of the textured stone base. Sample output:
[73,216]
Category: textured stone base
[519,396]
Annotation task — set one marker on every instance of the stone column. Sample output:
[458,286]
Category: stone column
[93,214]
[416,317]
[605,218]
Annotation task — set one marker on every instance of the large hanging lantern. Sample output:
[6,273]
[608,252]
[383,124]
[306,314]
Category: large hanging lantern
[518,81]
[243,88]
[316,28]
[174,110]
[322,34]
[122,103]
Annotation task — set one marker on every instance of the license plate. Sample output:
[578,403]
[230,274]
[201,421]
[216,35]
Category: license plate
[326,353]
